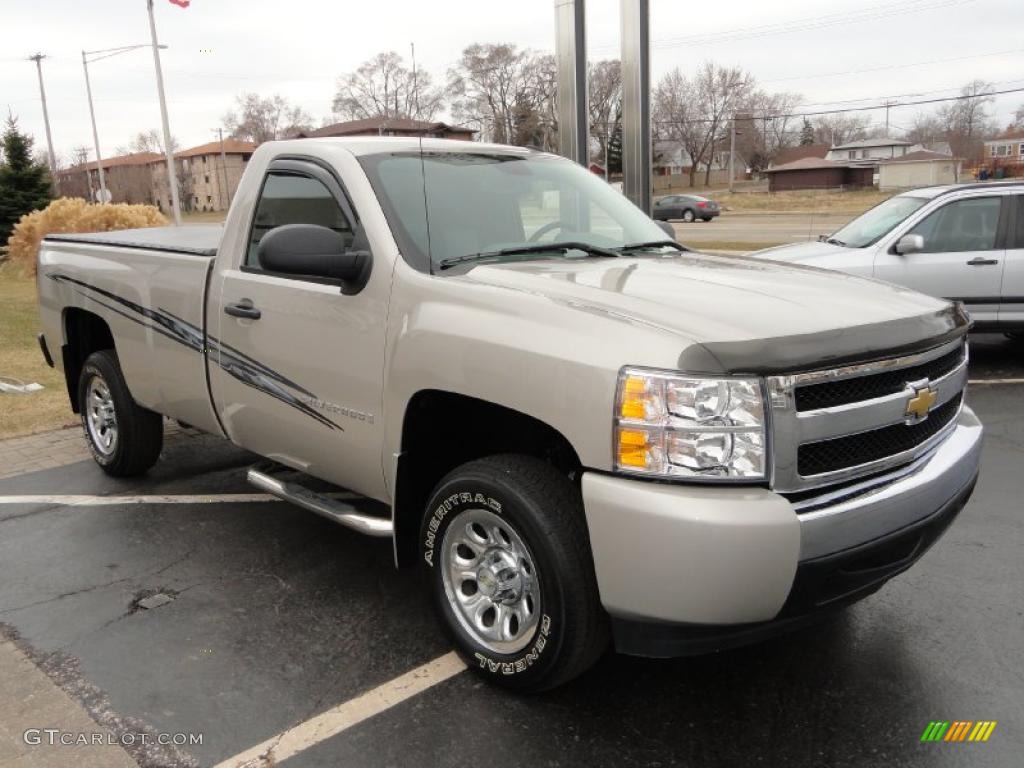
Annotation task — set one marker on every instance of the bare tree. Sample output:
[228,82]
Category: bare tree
[384,87]
[925,128]
[605,97]
[721,91]
[260,119]
[766,126]
[507,92]
[840,128]
[967,120]
[1018,120]
[147,141]
[679,117]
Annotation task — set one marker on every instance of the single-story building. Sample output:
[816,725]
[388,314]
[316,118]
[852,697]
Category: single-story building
[818,173]
[386,126]
[918,169]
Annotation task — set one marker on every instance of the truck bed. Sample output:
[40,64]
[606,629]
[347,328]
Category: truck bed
[148,286]
[195,240]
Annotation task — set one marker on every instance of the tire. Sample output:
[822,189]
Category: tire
[516,526]
[707,219]
[124,438]
[688,216]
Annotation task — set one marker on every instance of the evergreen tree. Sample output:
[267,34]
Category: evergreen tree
[806,133]
[24,183]
[615,147]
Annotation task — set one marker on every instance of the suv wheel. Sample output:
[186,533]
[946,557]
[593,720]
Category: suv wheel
[125,439]
[507,556]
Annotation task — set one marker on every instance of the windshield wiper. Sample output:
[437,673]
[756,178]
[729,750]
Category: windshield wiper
[518,250]
[651,244]
[834,241]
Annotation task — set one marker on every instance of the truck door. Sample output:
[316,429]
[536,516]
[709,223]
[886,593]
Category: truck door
[296,366]
[963,255]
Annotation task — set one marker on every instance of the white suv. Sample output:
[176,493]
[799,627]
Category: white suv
[962,242]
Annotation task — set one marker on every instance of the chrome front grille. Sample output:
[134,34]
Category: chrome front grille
[836,425]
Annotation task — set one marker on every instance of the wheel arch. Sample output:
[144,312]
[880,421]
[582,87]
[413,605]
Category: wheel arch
[482,428]
[85,332]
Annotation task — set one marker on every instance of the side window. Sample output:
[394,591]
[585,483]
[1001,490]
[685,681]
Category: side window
[964,225]
[1018,232]
[293,198]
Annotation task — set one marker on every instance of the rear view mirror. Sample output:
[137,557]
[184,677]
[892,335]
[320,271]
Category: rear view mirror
[668,229]
[310,250]
[909,244]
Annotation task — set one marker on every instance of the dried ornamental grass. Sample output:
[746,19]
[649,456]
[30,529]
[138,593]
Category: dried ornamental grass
[73,214]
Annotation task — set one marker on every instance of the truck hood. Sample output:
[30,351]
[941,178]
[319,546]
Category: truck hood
[740,314]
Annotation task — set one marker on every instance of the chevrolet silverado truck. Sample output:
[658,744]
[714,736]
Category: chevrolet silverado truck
[581,431]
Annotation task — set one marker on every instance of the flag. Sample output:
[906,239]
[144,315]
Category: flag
[181,3]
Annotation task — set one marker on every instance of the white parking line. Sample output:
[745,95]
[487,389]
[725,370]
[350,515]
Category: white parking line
[995,381]
[70,500]
[342,717]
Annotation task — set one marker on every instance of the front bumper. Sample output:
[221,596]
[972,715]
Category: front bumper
[688,569]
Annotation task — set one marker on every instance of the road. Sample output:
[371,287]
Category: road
[278,615]
[760,228]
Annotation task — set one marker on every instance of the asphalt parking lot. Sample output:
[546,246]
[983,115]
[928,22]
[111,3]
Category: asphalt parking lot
[278,615]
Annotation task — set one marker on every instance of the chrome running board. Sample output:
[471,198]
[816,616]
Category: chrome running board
[333,509]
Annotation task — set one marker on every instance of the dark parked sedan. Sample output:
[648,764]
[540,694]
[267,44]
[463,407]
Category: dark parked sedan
[685,207]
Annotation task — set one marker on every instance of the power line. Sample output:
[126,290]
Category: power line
[819,113]
[871,13]
[892,66]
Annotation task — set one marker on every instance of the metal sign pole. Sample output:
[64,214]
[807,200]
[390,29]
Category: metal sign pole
[636,102]
[571,54]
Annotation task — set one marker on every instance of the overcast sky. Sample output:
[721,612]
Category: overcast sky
[299,47]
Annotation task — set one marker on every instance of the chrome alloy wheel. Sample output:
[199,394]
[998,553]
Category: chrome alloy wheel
[100,418]
[490,581]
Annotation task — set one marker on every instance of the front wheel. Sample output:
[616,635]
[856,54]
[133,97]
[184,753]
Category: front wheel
[507,555]
[125,438]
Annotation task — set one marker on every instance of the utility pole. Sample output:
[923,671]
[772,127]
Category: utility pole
[95,135]
[415,82]
[172,178]
[38,59]
[732,152]
[224,167]
[888,104]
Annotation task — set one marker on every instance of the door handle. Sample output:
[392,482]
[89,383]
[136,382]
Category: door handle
[979,261]
[244,308]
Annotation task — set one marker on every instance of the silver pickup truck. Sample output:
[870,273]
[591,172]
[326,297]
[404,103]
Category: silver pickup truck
[580,430]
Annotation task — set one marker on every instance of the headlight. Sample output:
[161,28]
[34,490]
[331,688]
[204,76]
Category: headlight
[673,425]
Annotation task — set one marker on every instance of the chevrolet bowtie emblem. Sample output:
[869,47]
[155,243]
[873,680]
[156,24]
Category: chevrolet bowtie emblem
[920,404]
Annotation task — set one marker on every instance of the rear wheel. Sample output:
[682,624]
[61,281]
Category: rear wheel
[125,438]
[688,216]
[508,561]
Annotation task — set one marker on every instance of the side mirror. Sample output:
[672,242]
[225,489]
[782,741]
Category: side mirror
[909,244]
[314,251]
[668,229]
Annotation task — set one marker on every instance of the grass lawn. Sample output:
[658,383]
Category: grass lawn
[818,201]
[20,358]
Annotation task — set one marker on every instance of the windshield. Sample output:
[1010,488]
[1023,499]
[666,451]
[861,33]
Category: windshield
[876,223]
[446,205]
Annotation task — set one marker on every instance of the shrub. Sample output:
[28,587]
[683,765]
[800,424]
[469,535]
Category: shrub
[72,214]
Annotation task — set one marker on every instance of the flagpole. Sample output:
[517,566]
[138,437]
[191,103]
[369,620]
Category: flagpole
[172,179]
